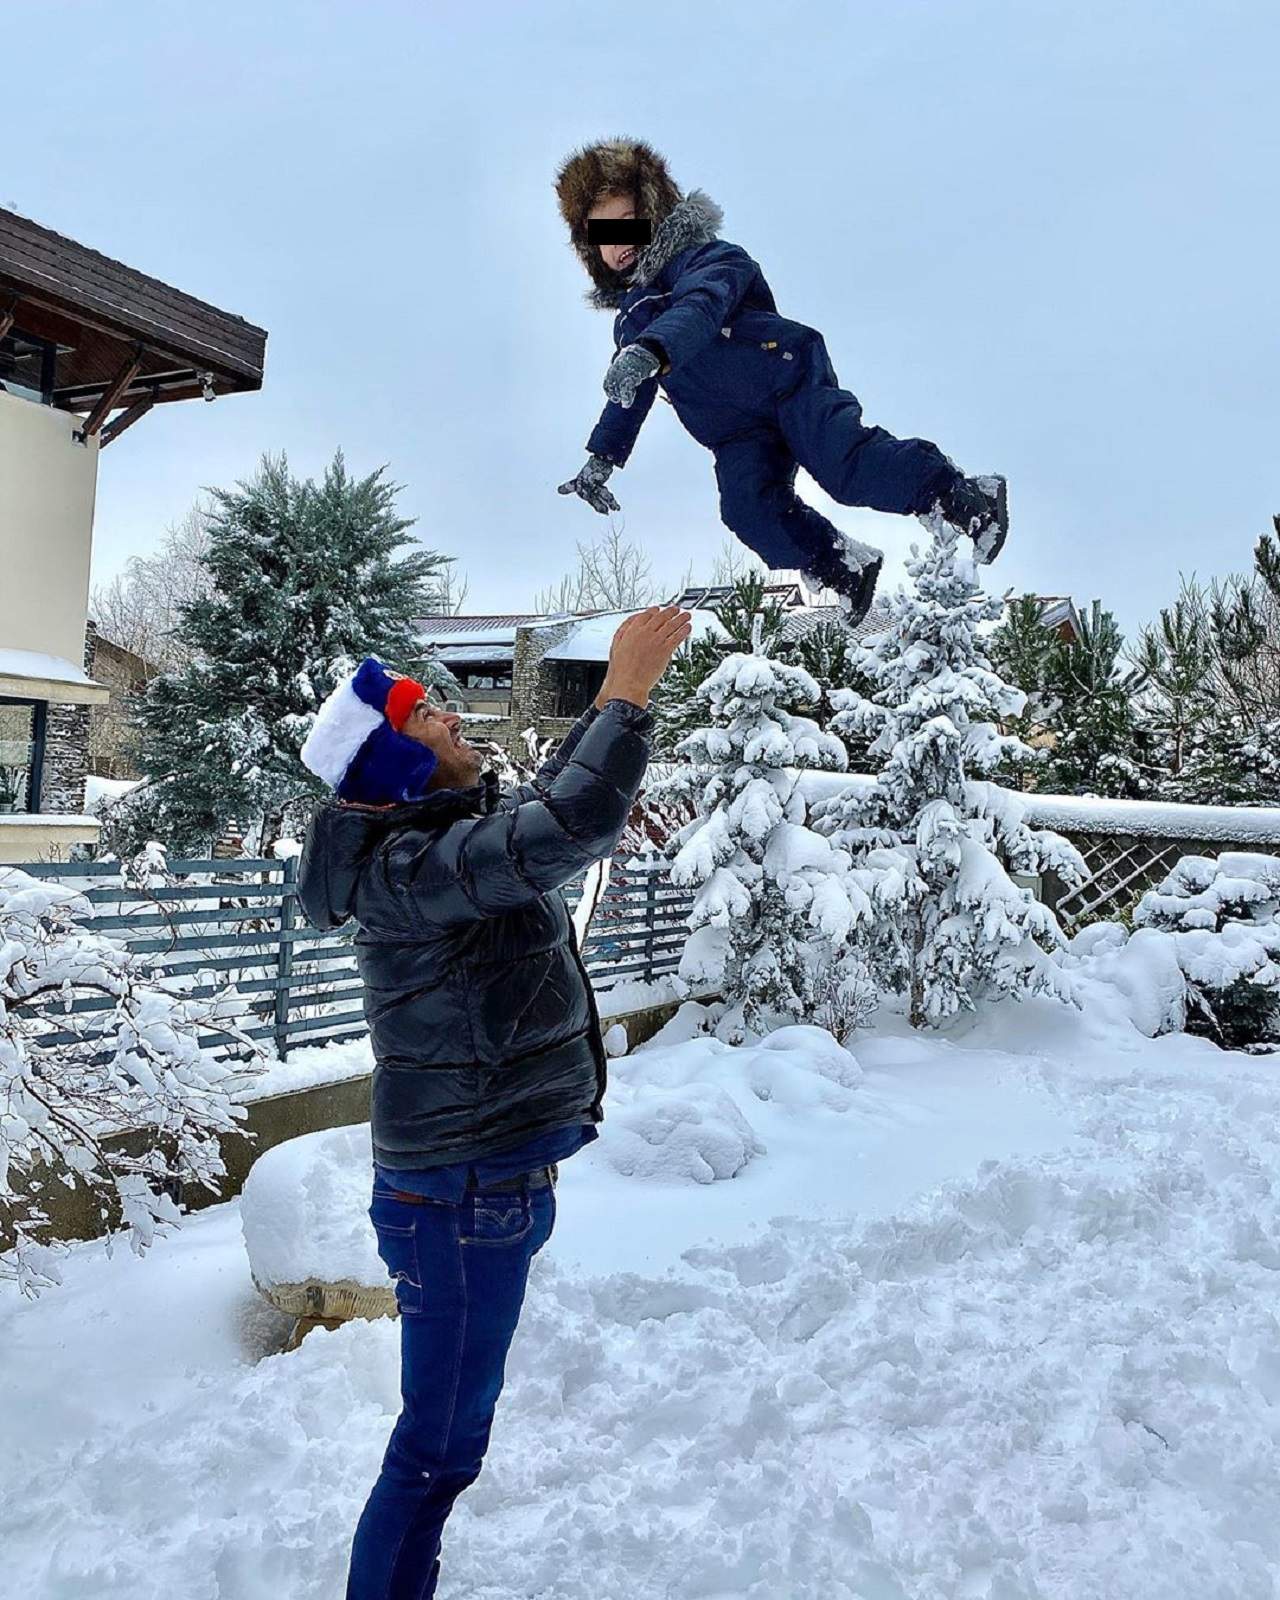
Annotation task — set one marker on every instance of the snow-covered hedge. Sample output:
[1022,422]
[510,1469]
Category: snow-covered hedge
[1223,917]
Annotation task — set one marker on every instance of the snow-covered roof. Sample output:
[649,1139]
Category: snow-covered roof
[591,639]
[800,624]
[35,664]
[28,673]
[492,628]
[460,655]
[45,819]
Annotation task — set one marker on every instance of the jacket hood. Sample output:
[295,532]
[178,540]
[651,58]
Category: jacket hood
[341,840]
[694,220]
[621,166]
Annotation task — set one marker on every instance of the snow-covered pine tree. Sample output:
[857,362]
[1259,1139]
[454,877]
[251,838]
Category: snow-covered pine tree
[772,895]
[71,1079]
[307,578]
[950,925]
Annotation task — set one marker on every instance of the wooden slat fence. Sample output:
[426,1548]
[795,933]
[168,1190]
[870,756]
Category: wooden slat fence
[239,922]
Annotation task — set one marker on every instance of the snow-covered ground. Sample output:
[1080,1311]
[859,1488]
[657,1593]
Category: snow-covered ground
[993,1315]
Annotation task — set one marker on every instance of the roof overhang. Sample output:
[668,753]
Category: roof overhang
[125,341]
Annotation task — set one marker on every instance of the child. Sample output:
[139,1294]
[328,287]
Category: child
[696,318]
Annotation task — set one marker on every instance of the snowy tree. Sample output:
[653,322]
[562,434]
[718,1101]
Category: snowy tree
[1090,689]
[74,1077]
[772,894]
[949,924]
[613,574]
[140,608]
[306,579]
[1224,917]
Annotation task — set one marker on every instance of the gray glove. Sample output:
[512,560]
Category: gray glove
[589,485]
[632,366]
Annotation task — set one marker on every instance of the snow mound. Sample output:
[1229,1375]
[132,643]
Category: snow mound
[1143,969]
[304,1211]
[692,1134]
[681,1111]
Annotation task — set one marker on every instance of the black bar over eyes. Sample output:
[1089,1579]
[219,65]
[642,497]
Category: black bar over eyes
[619,230]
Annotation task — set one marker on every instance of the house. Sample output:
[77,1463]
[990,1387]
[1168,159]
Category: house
[520,671]
[88,347]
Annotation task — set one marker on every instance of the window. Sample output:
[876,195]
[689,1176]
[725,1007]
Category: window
[488,675]
[21,753]
[575,685]
[27,366]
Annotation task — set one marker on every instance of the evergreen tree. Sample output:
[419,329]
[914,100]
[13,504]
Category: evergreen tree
[1091,693]
[1177,704]
[307,578]
[770,892]
[1211,687]
[748,621]
[931,845]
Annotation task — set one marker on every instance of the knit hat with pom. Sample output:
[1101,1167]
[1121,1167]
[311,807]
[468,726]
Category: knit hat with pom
[356,745]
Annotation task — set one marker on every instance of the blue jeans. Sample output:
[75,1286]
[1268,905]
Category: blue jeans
[460,1271]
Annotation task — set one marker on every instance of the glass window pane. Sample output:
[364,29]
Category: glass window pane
[17,755]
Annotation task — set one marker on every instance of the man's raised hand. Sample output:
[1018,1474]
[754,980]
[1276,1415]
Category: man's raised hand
[641,652]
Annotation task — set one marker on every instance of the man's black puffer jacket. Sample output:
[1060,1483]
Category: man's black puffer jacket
[485,1032]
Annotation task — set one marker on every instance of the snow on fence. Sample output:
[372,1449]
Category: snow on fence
[238,921]
[1127,845]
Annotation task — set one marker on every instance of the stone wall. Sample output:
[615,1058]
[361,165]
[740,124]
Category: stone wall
[532,681]
[66,760]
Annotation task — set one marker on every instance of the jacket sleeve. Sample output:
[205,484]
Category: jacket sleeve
[552,767]
[614,436]
[484,866]
[709,286]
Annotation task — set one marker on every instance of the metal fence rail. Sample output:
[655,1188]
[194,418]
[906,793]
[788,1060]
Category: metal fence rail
[239,922]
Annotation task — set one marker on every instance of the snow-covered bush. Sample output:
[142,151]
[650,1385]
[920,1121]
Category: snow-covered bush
[772,891]
[933,845]
[1224,919]
[72,1078]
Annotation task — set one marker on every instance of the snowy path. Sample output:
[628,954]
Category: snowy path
[1053,1376]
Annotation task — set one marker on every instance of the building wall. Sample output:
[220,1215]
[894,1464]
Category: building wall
[531,684]
[47,486]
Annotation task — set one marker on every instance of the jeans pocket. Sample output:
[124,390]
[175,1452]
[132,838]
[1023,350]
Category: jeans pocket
[398,1247]
[495,1218]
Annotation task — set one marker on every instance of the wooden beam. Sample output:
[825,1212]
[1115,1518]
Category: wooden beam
[111,394]
[126,419]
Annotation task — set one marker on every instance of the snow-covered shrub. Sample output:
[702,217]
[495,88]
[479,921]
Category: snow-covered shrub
[770,889]
[1224,919]
[933,845]
[72,1078]
[1142,968]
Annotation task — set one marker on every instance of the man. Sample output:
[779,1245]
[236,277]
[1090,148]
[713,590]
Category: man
[489,1065]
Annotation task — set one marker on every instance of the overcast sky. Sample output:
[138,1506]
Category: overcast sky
[1045,235]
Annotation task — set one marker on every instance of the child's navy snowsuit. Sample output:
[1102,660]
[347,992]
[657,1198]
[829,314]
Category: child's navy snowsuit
[759,390]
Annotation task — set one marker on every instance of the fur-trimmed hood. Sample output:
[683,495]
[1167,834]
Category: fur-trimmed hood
[630,166]
[695,220]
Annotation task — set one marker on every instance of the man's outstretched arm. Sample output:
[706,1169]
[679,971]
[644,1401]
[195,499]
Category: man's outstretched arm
[483,866]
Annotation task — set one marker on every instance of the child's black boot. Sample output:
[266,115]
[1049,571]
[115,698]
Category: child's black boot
[980,508]
[851,568]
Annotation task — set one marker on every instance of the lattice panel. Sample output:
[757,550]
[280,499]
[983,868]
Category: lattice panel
[1121,867]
